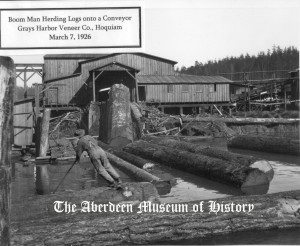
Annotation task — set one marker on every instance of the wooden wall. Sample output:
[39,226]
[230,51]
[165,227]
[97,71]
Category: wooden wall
[59,68]
[56,68]
[71,91]
[23,124]
[78,90]
[158,93]
[146,65]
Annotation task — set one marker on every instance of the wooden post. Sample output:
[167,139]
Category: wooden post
[37,101]
[44,133]
[136,90]
[38,133]
[284,98]
[249,94]
[7,82]
[245,109]
[180,110]
[42,182]
[94,89]
[25,83]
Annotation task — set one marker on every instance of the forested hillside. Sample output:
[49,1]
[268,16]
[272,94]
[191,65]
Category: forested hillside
[275,59]
[19,92]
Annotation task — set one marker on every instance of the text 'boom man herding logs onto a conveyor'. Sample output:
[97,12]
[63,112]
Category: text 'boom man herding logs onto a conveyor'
[98,157]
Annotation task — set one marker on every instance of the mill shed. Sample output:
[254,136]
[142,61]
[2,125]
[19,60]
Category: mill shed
[78,79]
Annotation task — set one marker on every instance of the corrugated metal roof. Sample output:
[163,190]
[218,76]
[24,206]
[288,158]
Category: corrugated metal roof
[179,79]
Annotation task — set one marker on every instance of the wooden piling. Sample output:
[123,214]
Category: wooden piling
[44,132]
[7,82]
[42,182]
[119,117]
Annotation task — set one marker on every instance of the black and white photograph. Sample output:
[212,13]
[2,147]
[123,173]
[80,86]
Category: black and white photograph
[149,122]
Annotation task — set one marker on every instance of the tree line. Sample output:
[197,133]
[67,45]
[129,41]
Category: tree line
[274,59]
[19,92]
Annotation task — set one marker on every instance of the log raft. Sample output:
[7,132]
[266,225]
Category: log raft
[243,120]
[266,144]
[224,171]
[243,160]
[7,83]
[272,211]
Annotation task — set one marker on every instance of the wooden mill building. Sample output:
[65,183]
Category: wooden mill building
[78,79]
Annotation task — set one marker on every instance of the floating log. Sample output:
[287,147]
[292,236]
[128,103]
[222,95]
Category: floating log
[243,160]
[214,168]
[135,160]
[139,174]
[44,133]
[272,211]
[119,116]
[266,144]
[7,83]
[243,120]
[147,165]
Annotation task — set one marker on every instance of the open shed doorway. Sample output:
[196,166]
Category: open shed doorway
[103,94]
[142,93]
[107,79]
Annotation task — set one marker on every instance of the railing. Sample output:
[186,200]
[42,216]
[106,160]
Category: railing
[257,76]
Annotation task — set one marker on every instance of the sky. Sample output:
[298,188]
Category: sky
[188,30]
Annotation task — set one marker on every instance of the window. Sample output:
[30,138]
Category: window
[185,88]
[199,88]
[170,88]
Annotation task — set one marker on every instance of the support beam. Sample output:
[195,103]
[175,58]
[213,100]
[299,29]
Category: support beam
[284,98]
[44,132]
[94,89]
[7,83]
[36,101]
[136,89]
[249,94]
[25,84]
